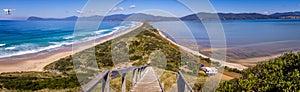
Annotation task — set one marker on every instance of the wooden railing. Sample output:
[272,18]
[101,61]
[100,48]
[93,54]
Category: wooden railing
[138,72]
[182,83]
[107,75]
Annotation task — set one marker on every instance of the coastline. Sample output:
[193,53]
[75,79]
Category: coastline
[239,64]
[255,60]
[38,63]
[231,65]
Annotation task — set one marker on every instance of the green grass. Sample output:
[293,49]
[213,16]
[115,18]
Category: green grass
[37,81]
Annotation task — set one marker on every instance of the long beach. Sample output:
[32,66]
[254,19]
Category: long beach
[38,63]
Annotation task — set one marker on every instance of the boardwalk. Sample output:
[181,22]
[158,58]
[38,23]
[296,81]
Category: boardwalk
[148,82]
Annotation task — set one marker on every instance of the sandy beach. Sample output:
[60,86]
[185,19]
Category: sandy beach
[38,63]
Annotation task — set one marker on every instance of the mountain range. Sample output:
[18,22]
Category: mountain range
[202,16]
[116,17]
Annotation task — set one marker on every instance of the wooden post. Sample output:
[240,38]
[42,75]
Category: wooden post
[108,83]
[180,84]
[139,74]
[142,72]
[133,77]
[105,83]
[124,82]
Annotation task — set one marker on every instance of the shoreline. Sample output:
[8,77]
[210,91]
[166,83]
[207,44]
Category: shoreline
[253,61]
[39,62]
[239,64]
[231,65]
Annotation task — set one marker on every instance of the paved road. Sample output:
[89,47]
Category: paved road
[148,82]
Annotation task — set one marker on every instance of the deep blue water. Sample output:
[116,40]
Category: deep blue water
[244,38]
[24,37]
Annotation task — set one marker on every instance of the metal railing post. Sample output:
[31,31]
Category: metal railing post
[124,82]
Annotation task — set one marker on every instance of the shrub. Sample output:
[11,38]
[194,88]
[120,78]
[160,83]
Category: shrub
[280,74]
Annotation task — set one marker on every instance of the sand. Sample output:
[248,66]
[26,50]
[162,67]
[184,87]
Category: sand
[37,64]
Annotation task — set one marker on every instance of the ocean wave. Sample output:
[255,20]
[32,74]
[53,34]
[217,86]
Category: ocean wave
[61,43]
[2,45]
[105,32]
[10,48]
[101,31]
[22,50]
[86,39]
[68,37]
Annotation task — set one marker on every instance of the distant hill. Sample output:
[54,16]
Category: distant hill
[39,18]
[116,17]
[139,17]
[227,16]
[203,16]
[287,15]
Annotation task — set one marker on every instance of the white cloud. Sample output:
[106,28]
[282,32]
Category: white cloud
[79,12]
[132,6]
[266,13]
[121,8]
[117,9]
[86,12]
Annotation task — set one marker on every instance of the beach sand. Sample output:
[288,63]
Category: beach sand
[38,63]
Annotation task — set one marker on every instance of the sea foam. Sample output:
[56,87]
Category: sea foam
[23,51]
[68,37]
[101,31]
[2,45]
[10,48]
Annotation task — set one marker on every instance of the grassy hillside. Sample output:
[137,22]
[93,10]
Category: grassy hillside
[281,74]
[140,47]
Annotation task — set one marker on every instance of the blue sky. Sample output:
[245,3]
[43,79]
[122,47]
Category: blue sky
[65,8]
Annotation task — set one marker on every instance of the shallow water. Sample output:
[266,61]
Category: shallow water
[245,38]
